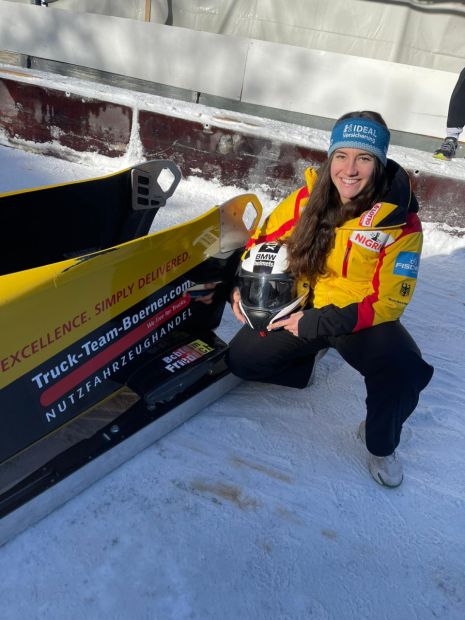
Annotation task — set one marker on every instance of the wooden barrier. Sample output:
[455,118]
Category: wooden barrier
[44,119]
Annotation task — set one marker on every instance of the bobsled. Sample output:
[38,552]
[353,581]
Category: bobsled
[106,345]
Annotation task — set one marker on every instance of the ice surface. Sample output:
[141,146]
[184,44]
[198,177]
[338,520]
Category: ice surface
[261,506]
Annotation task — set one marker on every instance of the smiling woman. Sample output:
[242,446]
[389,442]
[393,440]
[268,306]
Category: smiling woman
[353,238]
[351,171]
[358,149]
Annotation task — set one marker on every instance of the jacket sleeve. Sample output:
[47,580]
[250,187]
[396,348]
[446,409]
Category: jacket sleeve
[392,287]
[281,221]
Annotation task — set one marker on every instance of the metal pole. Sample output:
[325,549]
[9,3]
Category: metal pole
[148,10]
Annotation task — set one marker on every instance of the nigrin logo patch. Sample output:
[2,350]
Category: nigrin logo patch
[372,240]
[368,217]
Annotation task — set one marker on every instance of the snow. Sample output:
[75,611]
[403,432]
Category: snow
[261,506]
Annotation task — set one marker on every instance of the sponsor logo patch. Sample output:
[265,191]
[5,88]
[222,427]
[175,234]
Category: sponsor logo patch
[372,240]
[265,259]
[405,289]
[368,217]
[407,264]
[186,355]
[352,130]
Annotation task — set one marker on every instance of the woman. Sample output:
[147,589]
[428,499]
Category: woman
[353,236]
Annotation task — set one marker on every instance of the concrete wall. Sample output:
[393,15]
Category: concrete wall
[285,77]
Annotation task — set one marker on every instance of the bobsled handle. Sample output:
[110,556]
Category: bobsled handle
[239,218]
[153,182]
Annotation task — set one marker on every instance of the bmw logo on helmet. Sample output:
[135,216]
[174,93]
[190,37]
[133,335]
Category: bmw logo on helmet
[268,291]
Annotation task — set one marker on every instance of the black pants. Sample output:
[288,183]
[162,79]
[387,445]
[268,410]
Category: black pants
[386,356]
[456,114]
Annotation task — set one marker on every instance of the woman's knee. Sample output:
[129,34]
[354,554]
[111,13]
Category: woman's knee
[239,364]
[245,356]
[254,357]
[405,369]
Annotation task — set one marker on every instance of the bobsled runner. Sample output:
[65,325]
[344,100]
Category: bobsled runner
[105,344]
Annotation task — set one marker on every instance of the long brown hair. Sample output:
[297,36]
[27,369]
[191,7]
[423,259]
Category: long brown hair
[313,237]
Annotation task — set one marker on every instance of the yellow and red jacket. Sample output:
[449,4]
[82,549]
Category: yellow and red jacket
[373,266]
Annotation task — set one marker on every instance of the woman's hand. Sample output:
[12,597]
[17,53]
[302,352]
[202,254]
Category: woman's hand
[235,299]
[291,324]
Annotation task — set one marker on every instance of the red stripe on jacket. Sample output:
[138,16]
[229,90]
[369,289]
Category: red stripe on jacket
[284,228]
[366,312]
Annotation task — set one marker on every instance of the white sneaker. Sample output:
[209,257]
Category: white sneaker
[386,470]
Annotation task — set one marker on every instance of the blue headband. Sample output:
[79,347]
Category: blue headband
[360,133]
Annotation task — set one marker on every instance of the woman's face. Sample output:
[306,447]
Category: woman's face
[351,170]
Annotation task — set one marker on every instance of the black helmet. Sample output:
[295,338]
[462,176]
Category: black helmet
[268,291]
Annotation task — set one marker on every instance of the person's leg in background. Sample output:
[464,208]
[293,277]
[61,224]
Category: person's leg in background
[455,121]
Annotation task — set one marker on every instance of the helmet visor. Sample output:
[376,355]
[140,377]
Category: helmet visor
[265,292]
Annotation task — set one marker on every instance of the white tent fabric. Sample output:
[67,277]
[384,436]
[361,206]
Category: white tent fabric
[381,30]
[411,32]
